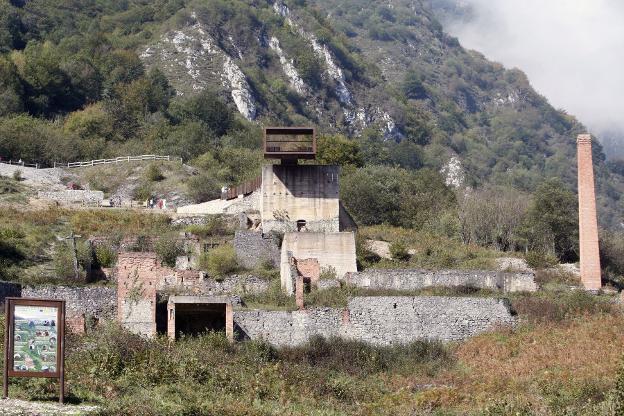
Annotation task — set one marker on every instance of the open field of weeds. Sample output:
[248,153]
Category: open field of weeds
[564,363]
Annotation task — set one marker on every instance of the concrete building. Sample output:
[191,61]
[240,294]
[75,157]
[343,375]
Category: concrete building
[588,224]
[300,198]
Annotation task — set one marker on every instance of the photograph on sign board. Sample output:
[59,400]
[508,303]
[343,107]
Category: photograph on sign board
[35,338]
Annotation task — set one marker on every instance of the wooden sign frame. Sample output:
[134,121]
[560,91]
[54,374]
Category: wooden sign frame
[9,343]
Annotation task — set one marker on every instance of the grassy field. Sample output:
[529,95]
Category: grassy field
[563,358]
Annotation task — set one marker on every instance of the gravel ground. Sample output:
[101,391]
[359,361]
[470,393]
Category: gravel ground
[15,407]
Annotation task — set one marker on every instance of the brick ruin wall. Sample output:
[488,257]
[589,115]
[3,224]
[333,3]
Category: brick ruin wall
[97,302]
[140,276]
[380,320]
[253,248]
[415,279]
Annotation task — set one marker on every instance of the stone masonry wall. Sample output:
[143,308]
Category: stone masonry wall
[71,196]
[99,302]
[382,320]
[415,279]
[252,248]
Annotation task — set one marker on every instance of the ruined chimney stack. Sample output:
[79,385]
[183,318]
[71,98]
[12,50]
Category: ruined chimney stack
[588,224]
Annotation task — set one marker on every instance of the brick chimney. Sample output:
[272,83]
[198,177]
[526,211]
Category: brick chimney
[588,224]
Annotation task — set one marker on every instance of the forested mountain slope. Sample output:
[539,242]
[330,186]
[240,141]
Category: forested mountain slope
[98,77]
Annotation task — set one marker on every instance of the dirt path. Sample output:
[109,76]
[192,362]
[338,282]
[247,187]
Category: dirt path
[16,407]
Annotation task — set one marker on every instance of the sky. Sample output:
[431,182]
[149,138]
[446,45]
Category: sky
[571,50]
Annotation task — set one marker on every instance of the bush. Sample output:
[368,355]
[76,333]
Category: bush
[540,260]
[153,173]
[556,307]
[219,261]
[215,225]
[63,260]
[328,273]
[105,256]
[398,251]
[168,249]
[143,192]
[17,175]
[203,188]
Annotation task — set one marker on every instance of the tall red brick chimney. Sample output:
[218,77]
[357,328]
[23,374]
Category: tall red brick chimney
[588,224]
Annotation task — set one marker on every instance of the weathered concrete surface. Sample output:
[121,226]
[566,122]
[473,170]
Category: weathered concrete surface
[330,249]
[300,192]
[588,224]
[383,320]
[220,206]
[415,279]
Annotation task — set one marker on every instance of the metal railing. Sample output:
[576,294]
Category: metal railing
[116,160]
[242,189]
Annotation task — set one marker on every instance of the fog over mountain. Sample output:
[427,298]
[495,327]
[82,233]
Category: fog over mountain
[571,51]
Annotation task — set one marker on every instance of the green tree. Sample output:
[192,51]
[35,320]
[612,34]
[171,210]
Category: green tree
[551,223]
[205,107]
[412,86]
[339,150]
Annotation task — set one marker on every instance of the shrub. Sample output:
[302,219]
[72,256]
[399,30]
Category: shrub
[219,261]
[556,307]
[203,188]
[398,251]
[215,225]
[105,255]
[143,192]
[168,249]
[540,260]
[153,173]
[328,272]
[17,175]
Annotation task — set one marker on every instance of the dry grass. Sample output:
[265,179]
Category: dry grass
[563,364]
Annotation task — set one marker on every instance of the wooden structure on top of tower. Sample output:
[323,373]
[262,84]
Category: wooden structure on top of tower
[289,143]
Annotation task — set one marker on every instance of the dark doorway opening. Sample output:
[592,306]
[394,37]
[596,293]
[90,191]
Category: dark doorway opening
[161,313]
[197,318]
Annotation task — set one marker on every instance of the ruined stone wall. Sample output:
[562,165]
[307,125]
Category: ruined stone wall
[140,277]
[300,192]
[415,279]
[98,302]
[238,285]
[330,249]
[380,320]
[73,196]
[253,248]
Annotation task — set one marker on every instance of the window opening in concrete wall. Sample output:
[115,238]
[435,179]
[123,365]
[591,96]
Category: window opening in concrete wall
[197,318]
[301,225]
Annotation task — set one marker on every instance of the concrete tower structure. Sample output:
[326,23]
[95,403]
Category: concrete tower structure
[588,224]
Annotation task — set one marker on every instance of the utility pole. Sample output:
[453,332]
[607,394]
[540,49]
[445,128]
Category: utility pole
[72,237]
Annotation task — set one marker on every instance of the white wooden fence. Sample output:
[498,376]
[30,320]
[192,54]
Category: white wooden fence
[116,160]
